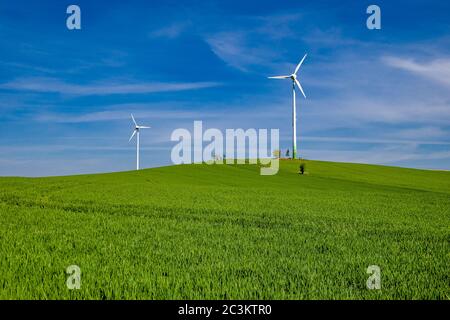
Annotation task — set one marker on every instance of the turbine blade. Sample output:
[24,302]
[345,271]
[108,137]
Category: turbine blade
[134,120]
[300,63]
[279,77]
[134,132]
[143,127]
[300,87]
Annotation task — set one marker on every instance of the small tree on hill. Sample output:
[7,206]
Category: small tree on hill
[302,167]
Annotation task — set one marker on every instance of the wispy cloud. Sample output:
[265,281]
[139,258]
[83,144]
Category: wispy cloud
[387,155]
[423,132]
[437,70]
[254,45]
[374,140]
[229,115]
[171,31]
[331,38]
[100,88]
[111,115]
[18,65]
[233,48]
[366,111]
[278,26]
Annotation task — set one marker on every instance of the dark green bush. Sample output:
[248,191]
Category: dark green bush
[302,168]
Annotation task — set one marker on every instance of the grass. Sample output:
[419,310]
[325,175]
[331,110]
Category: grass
[225,232]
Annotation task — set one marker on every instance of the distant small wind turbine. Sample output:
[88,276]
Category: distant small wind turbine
[136,132]
[294,114]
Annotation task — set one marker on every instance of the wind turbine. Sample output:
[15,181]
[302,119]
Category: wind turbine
[294,114]
[136,130]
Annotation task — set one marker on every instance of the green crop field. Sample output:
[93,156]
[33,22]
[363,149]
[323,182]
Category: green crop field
[222,231]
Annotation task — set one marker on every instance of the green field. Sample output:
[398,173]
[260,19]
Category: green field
[226,232]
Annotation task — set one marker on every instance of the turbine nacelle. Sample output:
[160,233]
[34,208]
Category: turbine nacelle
[293,76]
[141,127]
[136,127]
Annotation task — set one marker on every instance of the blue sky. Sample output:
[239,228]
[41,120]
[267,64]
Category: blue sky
[374,96]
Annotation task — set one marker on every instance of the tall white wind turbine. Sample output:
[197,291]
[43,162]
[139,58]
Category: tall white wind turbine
[136,130]
[294,114]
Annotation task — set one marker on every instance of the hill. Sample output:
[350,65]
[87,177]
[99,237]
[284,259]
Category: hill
[224,231]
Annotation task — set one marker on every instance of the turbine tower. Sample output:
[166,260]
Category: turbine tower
[136,132]
[294,112]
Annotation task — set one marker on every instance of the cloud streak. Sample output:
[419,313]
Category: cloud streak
[171,31]
[52,85]
[383,155]
[437,70]
[110,115]
[374,140]
[233,49]
[237,46]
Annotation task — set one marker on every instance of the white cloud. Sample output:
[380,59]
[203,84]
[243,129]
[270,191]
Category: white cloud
[423,132]
[382,155]
[172,31]
[437,70]
[353,111]
[229,115]
[383,141]
[110,115]
[100,88]
[234,49]
[278,26]
[255,45]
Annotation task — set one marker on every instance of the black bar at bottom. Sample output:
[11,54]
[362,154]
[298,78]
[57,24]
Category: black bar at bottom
[227,309]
